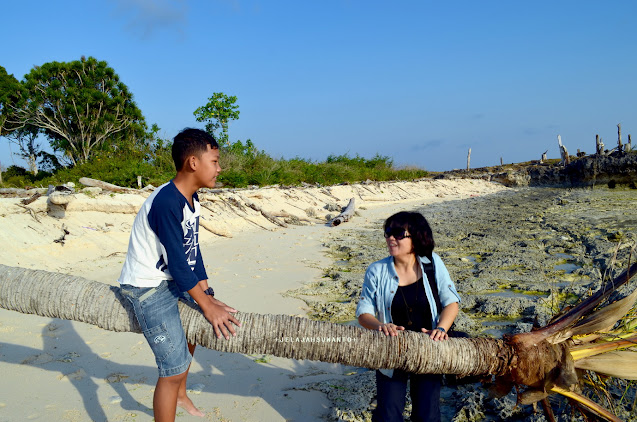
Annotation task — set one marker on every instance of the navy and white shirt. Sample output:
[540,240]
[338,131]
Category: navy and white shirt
[164,242]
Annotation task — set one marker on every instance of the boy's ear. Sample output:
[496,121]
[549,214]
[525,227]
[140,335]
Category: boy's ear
[190,163]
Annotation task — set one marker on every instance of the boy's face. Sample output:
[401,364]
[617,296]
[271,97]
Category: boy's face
[208,168]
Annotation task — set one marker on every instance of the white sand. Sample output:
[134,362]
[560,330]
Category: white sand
[55,370]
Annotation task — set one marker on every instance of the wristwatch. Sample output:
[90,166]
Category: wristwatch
[440,329]
[209,291]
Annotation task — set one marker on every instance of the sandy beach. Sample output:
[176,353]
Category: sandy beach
[55,370]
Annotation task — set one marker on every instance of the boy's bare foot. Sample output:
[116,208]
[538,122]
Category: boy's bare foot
[187,404]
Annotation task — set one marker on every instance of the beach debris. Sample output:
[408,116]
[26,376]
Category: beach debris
[62,239]
[60,198]
[332,206]
[87,181]
[212,228]
[271,218]
[31,199]
[565,159]
[345,215]
[30,210]
[13,192]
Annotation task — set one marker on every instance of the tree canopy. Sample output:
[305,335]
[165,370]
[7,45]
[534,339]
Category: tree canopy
[9,87]
[219,110]
[78,105]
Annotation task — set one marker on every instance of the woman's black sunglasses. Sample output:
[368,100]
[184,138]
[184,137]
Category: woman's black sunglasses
[397,232]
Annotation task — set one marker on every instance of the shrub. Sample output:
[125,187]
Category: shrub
[242,165]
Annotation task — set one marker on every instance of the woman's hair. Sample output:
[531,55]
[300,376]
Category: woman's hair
[415,223]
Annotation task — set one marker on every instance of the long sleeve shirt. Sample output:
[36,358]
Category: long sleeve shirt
[164,242]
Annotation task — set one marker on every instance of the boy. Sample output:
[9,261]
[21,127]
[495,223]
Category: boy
[164,262]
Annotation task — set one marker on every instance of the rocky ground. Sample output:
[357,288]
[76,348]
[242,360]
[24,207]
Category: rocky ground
[517,257]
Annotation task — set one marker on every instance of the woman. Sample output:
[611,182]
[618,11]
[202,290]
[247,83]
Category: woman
[409,290]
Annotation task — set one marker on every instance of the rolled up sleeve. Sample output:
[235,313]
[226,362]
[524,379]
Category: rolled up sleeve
[367,300]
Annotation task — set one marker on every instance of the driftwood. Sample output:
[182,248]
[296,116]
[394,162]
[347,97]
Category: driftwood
[266,214]
[60,198]
[208,225]
[13,192]
[31,211]
[31,199]
[566,160]
[286,215]
[86,181]
[344,216]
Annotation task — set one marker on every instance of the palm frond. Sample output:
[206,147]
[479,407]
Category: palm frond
[592,349]
[619,364]
[605,318]
[589,404]
[553,331]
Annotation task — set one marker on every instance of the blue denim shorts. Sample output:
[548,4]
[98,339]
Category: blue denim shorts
[158,315]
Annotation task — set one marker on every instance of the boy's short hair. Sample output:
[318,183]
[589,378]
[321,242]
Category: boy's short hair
[190,142]
[422,236]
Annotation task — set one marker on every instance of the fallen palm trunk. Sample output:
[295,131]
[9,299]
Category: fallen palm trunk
[532,362]
[62,296]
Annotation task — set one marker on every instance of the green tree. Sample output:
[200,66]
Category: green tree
[9,88]
[219,110]
[78,105]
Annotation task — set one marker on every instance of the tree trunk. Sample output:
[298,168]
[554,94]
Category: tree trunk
[345,216]
[469,160]
[63,296]
[87,181]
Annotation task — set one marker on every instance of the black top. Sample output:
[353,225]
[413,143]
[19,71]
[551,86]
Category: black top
[411,304]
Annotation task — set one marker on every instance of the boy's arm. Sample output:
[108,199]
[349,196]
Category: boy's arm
[164,219]
[218,314]
[204,286]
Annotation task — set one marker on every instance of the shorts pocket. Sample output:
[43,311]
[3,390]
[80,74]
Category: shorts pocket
[160,341]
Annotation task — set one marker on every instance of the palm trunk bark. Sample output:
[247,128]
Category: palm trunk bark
[63,296]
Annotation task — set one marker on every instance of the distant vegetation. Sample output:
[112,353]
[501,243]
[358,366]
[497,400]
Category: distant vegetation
[242,166]
[96,130]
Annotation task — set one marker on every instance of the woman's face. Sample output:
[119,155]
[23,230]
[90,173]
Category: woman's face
[398,241]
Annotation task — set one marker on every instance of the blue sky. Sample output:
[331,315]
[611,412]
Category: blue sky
[419,81]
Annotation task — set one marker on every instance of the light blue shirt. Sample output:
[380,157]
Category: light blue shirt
[381,284]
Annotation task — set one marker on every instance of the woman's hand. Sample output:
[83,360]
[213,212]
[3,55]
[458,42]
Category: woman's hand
[390,329]
[437,333]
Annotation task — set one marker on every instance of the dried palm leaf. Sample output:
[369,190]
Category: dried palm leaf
[619,364]
[605,318]
[589,404]
[552,332]
[592,349]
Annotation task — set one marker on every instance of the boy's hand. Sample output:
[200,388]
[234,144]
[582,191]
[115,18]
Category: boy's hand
[220,303]
[221,320]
